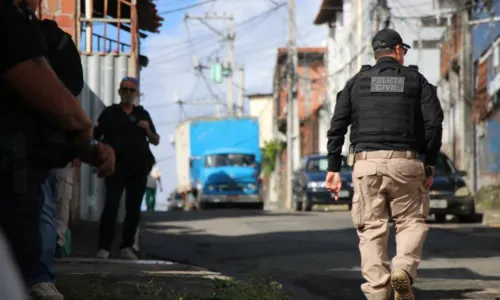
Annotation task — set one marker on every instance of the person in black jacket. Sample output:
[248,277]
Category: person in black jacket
[394,114]
[128,128]
[64,58]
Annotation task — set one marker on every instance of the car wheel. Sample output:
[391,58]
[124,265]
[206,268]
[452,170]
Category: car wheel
[440,218]
[350,207]
[306,203]
[471,217]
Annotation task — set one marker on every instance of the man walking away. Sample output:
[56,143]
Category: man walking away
[154,178]
[394,113]
[129,130]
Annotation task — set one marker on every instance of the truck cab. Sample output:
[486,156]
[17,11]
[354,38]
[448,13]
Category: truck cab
[228,175]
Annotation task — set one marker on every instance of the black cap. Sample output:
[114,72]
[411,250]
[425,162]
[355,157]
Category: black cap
[387,38]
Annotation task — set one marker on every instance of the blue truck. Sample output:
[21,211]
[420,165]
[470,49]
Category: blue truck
[219,161]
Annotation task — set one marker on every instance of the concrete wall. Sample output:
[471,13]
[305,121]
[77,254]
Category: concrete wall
[262,107]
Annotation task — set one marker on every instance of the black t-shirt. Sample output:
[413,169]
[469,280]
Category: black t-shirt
[120,131]
[20,39]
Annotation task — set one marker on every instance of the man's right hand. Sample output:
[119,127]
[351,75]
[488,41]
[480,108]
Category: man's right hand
[430,179]
[102,157]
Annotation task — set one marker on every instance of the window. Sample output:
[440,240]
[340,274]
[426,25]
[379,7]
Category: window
[444,167]
[320,164]
[234,160]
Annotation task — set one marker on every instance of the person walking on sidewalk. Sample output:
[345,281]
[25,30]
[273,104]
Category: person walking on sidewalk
[394,114]
[128,128]
[154,179]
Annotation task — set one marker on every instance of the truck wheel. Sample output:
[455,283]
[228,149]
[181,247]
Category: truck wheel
[297,206]
[257,206]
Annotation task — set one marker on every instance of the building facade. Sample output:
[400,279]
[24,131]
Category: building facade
[352,24]
[486,106]
[311,97]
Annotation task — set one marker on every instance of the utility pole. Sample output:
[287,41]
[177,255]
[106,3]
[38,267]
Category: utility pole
[241,98]
[293,133]
[467,91]
[419,41]
[229,37]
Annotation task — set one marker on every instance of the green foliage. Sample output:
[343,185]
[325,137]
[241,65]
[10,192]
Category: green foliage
[96,287]
[271,150]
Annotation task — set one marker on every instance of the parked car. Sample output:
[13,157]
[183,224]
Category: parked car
[449,194]
[309,184]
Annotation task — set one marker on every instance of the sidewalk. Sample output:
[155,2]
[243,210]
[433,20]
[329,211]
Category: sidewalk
[80,278]
[83,277]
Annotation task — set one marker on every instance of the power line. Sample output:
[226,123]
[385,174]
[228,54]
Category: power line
[186,7]
[206,38]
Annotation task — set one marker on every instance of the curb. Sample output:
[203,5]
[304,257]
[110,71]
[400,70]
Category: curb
[82,260]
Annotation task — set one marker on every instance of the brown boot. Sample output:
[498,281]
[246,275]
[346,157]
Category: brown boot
[401,283]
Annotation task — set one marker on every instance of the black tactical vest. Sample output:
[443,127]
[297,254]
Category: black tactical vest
[386,105]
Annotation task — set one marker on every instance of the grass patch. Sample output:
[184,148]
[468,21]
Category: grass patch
[488,197]
[99,287]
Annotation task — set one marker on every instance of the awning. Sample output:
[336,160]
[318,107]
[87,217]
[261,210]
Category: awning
[328,11]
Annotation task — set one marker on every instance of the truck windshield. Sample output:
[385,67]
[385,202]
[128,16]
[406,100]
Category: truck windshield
[235,160]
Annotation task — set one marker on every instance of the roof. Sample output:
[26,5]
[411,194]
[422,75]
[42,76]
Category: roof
[318,52]
[328,11]
[259,95]
[149,19]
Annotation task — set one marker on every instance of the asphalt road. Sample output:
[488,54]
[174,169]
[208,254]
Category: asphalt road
[315,255]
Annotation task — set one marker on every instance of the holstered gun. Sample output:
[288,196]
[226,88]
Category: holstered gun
[14,163]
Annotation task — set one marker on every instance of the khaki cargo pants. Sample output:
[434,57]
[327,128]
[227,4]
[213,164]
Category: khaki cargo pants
[388,183]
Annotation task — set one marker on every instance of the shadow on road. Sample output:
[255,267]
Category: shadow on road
[446,294]
[323,262]
[174,216]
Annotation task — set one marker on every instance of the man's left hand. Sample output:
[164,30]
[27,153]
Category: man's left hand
[144,124]
[333,183]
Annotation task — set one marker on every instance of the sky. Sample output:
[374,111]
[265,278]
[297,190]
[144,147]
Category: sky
[170,70]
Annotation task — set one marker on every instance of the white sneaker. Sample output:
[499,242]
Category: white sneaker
[128,253]
[102,254]
[45,291]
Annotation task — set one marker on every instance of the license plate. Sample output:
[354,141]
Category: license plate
[344,194]
[438,203]
[232,198]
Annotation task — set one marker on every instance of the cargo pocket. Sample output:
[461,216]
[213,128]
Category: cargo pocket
[424,202]
[357,211]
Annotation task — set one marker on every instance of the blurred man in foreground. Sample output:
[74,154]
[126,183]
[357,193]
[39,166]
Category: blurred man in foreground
[32,97]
